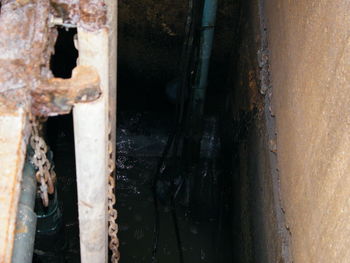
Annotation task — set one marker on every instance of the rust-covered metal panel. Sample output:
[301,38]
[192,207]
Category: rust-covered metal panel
[26,44]
[57,96]
[27,86]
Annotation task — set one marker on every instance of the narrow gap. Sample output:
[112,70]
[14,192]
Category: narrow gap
[209,200]
[207,193]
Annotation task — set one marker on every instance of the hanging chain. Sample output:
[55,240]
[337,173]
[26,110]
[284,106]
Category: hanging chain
[45,174]
[112,212]
[46,177]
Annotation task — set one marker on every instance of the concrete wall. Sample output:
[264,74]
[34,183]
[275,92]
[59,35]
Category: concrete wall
[263,235]
[310,77]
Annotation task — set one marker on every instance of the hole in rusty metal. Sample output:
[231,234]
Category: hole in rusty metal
[65,57]
[59,239]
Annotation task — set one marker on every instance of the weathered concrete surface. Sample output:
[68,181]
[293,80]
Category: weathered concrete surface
[310,76]
[263,235]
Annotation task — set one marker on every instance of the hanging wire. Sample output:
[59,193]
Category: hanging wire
[175,136]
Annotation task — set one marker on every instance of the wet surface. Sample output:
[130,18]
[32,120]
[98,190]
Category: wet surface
[141,139]
[205,231]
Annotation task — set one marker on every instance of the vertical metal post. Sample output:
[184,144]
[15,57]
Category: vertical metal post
[201,79]
[90,132]
[207,37]
[97,48]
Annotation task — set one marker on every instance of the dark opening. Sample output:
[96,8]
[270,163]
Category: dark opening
[199,205]
[201,185]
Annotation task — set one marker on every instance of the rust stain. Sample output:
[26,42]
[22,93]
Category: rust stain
[253,91]
[21,229]
[25,63]
[89,14]
[57,96]
[23,2]
[93,14]
[25,76]
[67,9]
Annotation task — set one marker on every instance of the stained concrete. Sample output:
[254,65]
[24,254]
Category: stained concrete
[263,235]
[294,162]
[310,76]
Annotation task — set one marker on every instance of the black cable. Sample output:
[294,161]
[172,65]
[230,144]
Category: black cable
[173,196]
[186,65]
[155,228]
[154,192]
[177,232]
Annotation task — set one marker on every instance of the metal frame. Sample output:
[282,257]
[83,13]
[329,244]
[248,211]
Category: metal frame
[27,87]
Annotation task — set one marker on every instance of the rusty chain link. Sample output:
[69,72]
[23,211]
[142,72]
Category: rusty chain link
[45,174]
[46,177]
[112,212]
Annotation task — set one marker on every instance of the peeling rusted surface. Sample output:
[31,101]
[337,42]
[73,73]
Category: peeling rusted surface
[93,14]
[89,14]
[67,9]
[57,96]
[25,38]
[26,45]
[27,85]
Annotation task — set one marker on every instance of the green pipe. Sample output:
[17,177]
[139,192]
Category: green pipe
[207,37]
[201,80]
[26,218]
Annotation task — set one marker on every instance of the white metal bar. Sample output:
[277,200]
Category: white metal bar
[13,136]
[90,132]
[91,121]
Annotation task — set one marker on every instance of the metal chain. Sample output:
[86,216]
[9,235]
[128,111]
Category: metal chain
[45,175]
[112,212]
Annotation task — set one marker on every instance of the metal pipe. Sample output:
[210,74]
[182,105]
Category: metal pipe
[207,36]
[26,218]
[201,80]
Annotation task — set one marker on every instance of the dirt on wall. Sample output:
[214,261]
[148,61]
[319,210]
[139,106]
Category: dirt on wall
[309,66]
[248,123]
[294,176]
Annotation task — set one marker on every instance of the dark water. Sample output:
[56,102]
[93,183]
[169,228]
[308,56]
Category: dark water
[205,228]
[141,139]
